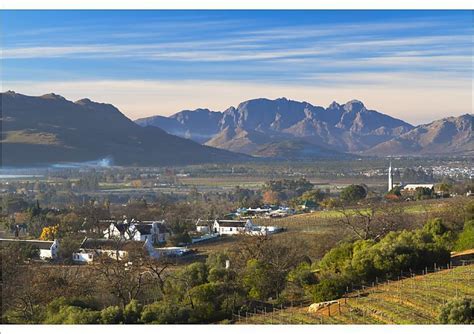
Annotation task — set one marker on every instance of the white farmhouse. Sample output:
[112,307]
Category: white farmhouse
[47,249]
[204,226]
[90,249]
[154,231]
[232,227]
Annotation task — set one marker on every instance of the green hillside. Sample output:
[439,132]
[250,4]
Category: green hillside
[408,301]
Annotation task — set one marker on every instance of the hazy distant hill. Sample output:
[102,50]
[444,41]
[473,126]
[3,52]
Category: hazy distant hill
[452,135]
[50,129]
[257,125]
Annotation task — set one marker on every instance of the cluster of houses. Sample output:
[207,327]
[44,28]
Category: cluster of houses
[267,211]
[122,236]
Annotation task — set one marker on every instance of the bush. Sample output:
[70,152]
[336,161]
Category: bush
[363,261]
[299,282]
[111,315]
[457,311]
[164,313]
[72,311]
[330,288]
[132,312]
[337,259]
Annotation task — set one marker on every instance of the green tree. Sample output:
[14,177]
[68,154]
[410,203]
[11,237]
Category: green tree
[315,196]
[330,288]
[256,280]
[353,193]
[422,193]
[466,237]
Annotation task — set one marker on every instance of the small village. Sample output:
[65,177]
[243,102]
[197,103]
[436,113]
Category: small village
[152,235]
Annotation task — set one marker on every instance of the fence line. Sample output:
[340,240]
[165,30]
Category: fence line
[285,314]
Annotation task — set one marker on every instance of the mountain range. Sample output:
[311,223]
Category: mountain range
[290,129]
[50,129]
[38,130]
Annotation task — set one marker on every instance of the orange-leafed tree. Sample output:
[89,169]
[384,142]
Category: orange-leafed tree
[49,232]
[271,197]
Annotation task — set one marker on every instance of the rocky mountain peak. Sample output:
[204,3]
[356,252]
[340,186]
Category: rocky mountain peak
[53,96]
[354,106]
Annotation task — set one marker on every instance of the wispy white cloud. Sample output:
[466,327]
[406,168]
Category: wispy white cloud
[234,50]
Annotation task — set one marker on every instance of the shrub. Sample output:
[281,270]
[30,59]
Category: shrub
[132,312]
[457,311]
[111,315]
[330,288]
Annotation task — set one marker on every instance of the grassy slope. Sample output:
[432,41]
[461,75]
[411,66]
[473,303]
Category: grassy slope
[409,301]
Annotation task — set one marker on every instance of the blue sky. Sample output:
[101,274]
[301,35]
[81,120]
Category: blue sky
[415,65]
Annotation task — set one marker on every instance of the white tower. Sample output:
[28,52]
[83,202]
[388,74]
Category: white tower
[390,177]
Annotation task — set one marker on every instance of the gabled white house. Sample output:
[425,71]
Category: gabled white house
[204,226]
[47,249]
[231,227]
[154,231]
[90,249]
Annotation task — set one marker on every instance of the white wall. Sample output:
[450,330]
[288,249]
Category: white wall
[45,254]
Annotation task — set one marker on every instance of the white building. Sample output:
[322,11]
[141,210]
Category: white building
[90,249]
[412,187]
[47,249]
[390,177]
[204,226]
[155,231]
[234,227]
[231,227]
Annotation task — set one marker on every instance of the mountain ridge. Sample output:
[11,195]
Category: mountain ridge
[260,126]
[51,129]
[348,127]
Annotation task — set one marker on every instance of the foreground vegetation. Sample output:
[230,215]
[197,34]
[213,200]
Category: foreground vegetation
[263,270]
[426,299]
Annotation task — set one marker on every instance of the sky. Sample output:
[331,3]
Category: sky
[413,65]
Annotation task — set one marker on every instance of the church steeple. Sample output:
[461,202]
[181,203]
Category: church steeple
[390,177]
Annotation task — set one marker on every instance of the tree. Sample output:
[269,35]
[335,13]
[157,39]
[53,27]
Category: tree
[271,197]
[127,277]
[457,311]
[329,288]
[315,195]
[422,193]
[288,188]
[256,280]
[299,281]
[353,193]
[374,221]
[466,237]
[49,232]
